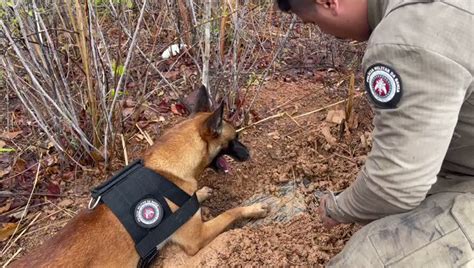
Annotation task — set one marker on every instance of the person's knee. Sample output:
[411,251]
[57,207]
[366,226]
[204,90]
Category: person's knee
[439,230]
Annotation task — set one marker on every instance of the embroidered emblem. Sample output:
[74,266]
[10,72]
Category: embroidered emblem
[383,85]
[148,213]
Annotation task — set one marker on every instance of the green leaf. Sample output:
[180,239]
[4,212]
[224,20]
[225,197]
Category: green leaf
[254,79]
[112,93]
[118,70]
[7,150]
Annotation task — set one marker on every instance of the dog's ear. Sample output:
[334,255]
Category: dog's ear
[212,127]
[202,101]
[197,101]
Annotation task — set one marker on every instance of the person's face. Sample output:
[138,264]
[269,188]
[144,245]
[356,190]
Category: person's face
[326,22]
[332,18]
[305,10]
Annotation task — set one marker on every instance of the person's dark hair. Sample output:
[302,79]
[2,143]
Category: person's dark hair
[284,5]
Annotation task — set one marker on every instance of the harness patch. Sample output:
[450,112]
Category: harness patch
[383,85]
[136,195]
[148,213]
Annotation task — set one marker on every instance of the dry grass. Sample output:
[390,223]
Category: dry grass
[71,62]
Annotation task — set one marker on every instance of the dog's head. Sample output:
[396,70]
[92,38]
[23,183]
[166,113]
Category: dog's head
[219,135]
[201,141]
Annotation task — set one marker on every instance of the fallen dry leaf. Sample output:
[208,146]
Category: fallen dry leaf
[150,115]
[65,203]
[127,112]
[129,103]
[68,175]
[10,135]
[5,171]
[6,230]
[178,109]
[7,206]
[320,76]
[172,75]
[326,131]
[164,106]
[20,165]
[51,160]
[2,144]
[53,188]
[354,121]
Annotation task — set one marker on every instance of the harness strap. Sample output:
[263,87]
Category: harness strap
[167,188]
[134,183]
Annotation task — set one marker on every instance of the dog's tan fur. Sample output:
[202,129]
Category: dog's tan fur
[97,238]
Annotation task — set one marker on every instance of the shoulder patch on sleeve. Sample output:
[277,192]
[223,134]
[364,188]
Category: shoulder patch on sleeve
[384,86]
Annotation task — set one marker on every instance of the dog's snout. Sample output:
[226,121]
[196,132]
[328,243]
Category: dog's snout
[238,151]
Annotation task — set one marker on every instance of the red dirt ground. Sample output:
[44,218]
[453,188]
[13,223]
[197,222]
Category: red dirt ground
[311,152]
[284,150]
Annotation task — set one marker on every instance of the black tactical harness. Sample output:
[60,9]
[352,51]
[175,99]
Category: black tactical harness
[136,195]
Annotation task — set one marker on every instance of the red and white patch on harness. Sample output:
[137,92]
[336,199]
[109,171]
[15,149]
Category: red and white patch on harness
[148,213]
[383,85]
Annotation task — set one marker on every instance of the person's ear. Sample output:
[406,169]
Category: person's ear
[331,5]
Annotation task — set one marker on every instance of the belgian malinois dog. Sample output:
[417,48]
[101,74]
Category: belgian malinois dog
[96,238]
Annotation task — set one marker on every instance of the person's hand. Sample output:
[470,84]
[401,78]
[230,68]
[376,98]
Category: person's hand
[327,221]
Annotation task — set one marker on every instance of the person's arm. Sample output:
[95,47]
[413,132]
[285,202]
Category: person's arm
[413,129]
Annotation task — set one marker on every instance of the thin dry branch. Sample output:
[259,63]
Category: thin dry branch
[25,211]
[298,116]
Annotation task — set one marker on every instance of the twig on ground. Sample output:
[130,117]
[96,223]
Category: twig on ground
[145,135]
[125,155]
[10,194]
[345,157]
[20,173]
[327,107]
[69,212]
[293,119]
[298,116]
[289,101]
[25,211]
[261,121]
[21,234]
[12,257]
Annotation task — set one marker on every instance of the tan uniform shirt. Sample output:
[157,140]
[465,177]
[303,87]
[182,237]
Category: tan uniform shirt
[419,75]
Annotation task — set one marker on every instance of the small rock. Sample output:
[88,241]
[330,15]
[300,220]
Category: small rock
[336,116]
[283,178]
[327,147]
[363,141]
[65,203]
[326,131]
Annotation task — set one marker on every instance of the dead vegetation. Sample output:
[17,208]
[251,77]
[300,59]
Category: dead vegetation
[86,85]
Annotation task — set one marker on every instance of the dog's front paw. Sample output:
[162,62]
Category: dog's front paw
[204,193]
[258,210]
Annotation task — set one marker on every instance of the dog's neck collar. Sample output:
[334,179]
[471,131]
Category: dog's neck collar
[136,195]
